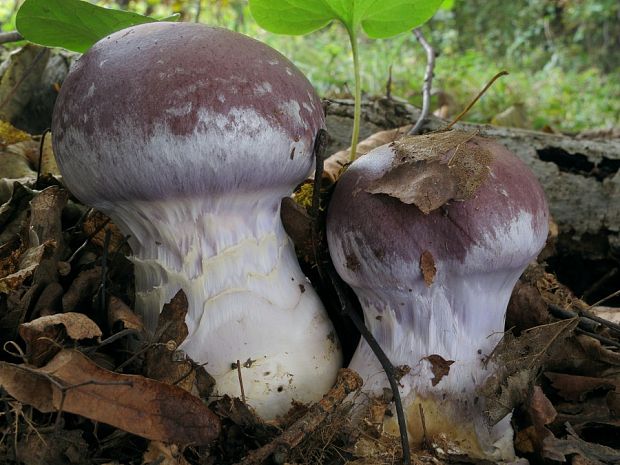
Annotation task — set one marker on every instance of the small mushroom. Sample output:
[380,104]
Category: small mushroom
[183,135]
[434,287]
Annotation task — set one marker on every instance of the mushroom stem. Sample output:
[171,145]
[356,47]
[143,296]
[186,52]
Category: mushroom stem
[244,282]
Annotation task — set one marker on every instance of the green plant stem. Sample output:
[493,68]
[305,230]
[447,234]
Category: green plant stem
[357,111]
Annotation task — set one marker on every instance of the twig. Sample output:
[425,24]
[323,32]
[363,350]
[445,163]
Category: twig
[104,272]
[425,442]
[602,339]
[320,144]
[599,283]
[388,84]
[12,36]
[240,381]
[473,102]
[390,372]
[41,144]
[605,299]
[385,362]
[428,80]
[585,324]
[347,382]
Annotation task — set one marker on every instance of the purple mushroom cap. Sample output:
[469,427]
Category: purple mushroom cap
[165,110]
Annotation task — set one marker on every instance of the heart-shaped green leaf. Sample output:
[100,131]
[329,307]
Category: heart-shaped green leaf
[378,18]
[72,24]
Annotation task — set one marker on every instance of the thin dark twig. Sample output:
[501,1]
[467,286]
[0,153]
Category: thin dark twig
[584,323]
[41,144]
[385,362]
[320,145]
[602,339]
[23,77]
[425,441]
[605,299]
[104,271]
[12,36]
[599,283]
[240,381]
[473,102]
[428,81]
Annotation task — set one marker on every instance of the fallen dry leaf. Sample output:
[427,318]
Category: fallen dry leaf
[28,264]
[96,225]
[162,360]
[432,169]
[160,453]
[119,313]
[45,335]
[83,287]
[558,449]
[427,267]
[518,361]
[57,447]
[439,366]
[576,388]
[151,409]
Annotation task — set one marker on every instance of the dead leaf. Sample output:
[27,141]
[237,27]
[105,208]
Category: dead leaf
[77,325]
[163,454]
[120,313]
[162,360]
[29,262]
[20,77]
[9,134]
[439,366]
[526,308]
[58,447]
[82,289]
[427,267]
[135,404]
[45,335]
[576,388]
[432,169]
[518,361]
[558,449]
[96,225]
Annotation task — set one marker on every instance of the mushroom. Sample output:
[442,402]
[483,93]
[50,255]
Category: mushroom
[434,287]
[188,137]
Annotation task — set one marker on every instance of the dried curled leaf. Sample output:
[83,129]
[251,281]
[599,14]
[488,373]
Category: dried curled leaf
[432,169]
[73,383]
[518,361]
[77,325]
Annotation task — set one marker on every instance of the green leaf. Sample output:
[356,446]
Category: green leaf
[72,24]
[378,18]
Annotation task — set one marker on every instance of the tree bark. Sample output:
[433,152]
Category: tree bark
[580,176]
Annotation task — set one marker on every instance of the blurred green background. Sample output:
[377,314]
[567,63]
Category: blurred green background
[563,56]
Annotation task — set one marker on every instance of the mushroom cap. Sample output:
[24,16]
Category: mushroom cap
[377,241]
[165,110]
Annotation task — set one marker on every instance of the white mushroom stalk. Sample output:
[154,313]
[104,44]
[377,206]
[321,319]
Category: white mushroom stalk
[388,251]
[188,137]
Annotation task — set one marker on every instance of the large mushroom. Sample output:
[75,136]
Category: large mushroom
[188,137]
[434,283]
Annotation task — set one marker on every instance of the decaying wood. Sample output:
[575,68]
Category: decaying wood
[347,382]
[580,176]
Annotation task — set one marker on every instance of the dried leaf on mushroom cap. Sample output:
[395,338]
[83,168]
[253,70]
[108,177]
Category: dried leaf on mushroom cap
[432,169]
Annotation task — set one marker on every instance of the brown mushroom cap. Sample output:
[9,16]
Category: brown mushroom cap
[166,110]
